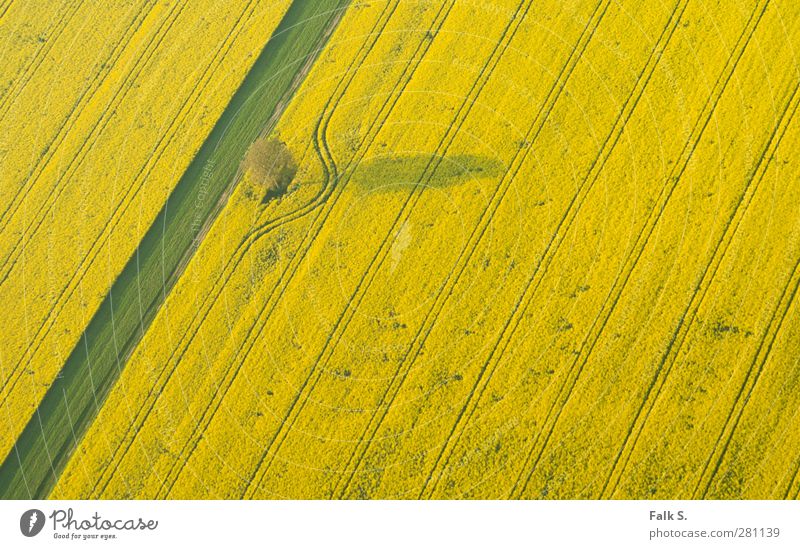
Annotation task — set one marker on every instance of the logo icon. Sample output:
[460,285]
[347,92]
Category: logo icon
[31,522]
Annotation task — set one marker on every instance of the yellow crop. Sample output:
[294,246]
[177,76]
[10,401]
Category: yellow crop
[554,255]
[98,132]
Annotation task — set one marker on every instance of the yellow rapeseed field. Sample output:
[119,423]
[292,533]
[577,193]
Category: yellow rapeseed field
[102,111]
[553,255]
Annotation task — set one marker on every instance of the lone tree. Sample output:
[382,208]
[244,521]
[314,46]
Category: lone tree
[271,165]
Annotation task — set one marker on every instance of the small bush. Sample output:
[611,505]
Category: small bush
[270,165]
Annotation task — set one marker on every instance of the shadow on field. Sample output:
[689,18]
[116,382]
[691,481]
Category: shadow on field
[387,174]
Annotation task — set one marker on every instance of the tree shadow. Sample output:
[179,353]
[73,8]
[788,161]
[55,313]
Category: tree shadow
[390,174]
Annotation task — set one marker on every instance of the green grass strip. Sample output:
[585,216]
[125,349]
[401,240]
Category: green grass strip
[73,401]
